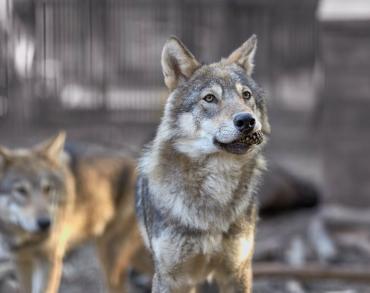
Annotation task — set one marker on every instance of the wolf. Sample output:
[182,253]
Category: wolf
[195,198]
[53,198]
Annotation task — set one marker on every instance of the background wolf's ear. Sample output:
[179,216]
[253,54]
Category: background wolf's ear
[5,155]
[244,55]
[53,148]
[177,63]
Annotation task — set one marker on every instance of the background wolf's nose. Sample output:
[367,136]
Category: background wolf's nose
[244,122]
[43,223]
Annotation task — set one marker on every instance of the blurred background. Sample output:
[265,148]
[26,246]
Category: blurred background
[92,67]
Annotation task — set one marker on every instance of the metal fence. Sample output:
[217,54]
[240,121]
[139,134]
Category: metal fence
[105,55]
[4,76]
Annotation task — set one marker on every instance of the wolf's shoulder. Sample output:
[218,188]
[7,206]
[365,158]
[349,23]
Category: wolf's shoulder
[102,172]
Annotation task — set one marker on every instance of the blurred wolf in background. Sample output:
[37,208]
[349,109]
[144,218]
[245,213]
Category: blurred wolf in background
[53,199]
[195,194]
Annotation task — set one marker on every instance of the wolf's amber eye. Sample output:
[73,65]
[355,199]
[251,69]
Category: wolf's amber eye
[247,95]
[210,98]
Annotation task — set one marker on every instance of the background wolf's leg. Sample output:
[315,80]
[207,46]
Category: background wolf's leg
[54,276]
[106,255]
[116,260]
[196,289]
[40,275]
[116,283]
[123,260]
[24,274]
[54,262]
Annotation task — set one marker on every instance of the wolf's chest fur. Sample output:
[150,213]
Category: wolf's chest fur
[207,195]
[217,180]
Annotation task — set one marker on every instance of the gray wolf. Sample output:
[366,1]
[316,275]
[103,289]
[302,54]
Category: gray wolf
[54,198]
[195,198]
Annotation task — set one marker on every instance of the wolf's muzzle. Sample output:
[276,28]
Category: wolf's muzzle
[43,223]
[244,122]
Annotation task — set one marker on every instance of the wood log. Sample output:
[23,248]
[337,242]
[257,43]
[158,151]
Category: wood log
[5,269]
[312,272]
[339,216]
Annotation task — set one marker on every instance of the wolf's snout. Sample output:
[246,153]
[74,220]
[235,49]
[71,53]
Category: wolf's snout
[44,223]
[244,122]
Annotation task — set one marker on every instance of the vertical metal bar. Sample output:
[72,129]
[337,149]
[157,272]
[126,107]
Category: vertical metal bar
[7,65]
[44,40]
[90,36]
[105,51]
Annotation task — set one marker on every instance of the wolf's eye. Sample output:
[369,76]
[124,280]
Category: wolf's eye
[21,190]
[247,95]
[48,189]
[210,98]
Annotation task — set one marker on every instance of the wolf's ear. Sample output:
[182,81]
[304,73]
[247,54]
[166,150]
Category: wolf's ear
[53,148]
[244,55]
[177,63]
[5,155]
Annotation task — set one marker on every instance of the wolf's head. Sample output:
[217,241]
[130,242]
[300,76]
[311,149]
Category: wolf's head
[212,108]
[31,184]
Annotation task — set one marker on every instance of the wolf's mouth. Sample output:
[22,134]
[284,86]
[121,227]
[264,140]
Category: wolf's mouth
[27,241]
[253,138]
[242,144]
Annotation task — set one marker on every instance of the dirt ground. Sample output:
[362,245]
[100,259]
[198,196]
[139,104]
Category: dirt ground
[291,146]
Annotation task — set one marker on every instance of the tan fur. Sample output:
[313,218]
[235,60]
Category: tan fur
[91,209]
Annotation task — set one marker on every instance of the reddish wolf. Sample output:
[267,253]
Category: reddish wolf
[52,199]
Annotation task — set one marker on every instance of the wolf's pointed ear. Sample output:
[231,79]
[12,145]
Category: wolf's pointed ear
[5,155]
[53,148]
[177,63]
[244,55]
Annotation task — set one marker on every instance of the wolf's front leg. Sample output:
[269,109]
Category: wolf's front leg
[168,285]
[242,279]
[238,280]
[158,286]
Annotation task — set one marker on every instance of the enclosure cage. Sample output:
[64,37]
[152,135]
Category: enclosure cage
[103,57]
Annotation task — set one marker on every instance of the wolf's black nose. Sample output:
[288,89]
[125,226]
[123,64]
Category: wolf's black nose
[244,122]
[44,223]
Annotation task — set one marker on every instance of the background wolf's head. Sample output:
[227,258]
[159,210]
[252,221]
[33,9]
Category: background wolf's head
[31,184]
[215,107]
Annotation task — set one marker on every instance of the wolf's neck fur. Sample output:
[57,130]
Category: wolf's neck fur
[206,194]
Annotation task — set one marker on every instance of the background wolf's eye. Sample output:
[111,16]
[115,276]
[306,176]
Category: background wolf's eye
[210,98]
[21,190]
[247,95]
[48,189]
